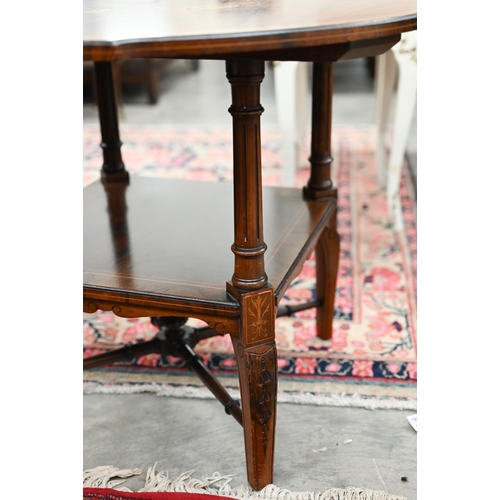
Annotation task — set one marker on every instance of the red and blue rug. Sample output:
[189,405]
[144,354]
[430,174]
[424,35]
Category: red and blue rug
[371,360]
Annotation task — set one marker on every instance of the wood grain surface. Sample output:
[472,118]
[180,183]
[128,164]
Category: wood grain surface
[171,239]
[114,29]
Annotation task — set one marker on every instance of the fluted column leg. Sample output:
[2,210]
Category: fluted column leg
[249,246]
[320,186]
[320,182]
[113,169]
[254,346]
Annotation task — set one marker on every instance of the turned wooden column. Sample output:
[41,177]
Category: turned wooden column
[320,186]
[320,182]
[255,347]
[113,169]
[245,78]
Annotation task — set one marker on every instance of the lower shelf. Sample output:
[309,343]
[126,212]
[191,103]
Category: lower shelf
[168,241]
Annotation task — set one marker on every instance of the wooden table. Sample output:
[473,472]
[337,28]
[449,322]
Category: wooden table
[223,252]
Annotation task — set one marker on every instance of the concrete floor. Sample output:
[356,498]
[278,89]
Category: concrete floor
[130,431]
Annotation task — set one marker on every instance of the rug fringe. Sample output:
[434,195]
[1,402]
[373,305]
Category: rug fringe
[217,484]
[159,481]
[100,477]
[338,400]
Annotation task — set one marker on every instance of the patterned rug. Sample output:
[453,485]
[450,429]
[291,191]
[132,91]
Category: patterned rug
[371,360]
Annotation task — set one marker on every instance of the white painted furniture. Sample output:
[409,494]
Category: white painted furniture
[399,63]
[291,91]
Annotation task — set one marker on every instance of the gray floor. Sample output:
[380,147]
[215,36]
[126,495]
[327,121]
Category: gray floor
[130,431]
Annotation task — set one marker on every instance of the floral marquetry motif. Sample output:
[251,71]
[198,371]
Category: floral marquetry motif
[141,255]
[260,313]
[258,317]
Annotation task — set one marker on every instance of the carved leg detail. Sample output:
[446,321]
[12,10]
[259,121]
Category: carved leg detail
[257,368]
[256,358]
[255,348]
[327,264]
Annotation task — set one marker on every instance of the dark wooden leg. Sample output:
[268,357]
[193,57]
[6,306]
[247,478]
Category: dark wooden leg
[153,78]
[327,264]
[255,348]
[117,77]
[255,352]
[113,169]
[249,247]
[320,186]
[320,182]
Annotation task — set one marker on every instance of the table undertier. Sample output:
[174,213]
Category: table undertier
[170,239]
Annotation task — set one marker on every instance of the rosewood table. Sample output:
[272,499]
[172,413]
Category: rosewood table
[222,252]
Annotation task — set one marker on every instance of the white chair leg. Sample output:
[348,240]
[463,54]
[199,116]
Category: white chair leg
[290,84]
[302,108]
[405,108]
[385,78]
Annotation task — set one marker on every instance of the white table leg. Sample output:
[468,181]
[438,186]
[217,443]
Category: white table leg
[405,108]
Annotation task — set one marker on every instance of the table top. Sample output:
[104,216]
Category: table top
[117,29]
